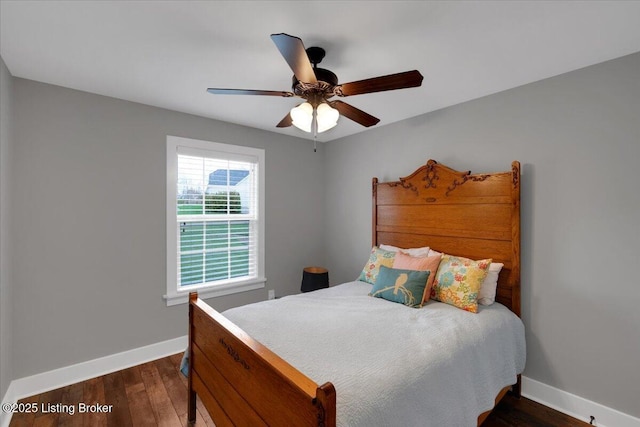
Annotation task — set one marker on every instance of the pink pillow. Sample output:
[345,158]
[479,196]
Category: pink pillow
[419,264]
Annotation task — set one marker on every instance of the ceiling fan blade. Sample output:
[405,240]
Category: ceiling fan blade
[285,122]
[292,49]
[379,84]
[355,114]
[217,91]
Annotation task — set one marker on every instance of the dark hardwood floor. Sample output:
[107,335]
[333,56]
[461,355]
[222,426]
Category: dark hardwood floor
[155,394]
[523,412]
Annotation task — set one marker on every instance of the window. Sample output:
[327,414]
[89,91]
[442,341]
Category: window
[215,219]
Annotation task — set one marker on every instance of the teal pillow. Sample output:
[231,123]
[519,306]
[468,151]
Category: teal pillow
[398,285]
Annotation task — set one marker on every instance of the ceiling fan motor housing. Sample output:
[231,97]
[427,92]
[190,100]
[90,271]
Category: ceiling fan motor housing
[326,82]
[326,79]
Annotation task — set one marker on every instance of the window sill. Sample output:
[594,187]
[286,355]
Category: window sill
[182,297]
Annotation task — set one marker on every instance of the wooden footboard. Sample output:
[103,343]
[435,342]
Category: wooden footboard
[241,382]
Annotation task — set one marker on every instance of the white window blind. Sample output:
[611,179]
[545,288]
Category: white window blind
[216,219]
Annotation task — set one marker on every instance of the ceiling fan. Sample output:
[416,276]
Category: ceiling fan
[317,86]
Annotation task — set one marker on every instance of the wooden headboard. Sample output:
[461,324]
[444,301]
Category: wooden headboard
[459,213]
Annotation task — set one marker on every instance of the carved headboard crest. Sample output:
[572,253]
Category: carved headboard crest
[428,176]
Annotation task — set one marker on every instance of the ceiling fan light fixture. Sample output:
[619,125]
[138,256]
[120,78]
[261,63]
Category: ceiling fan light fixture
[302,116]
[327,117]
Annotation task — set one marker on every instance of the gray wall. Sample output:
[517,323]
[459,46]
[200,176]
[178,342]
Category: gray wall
[6,115]
[577,136]
[89,205]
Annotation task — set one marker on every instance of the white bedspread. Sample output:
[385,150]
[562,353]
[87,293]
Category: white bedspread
[392,365]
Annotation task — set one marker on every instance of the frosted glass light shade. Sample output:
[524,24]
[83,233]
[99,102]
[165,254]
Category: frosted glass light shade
[302,116]
[327,117]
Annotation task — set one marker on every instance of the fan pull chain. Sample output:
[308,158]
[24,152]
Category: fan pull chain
[314,125]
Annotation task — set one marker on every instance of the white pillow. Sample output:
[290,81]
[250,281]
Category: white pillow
[487,294]
[414,252]
[434,253]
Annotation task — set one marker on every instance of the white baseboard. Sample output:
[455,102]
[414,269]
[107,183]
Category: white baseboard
[62,377]
[552,397]
[576,406]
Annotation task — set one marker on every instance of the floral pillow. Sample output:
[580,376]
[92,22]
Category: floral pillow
[377,258]
[402,286]
[458,281]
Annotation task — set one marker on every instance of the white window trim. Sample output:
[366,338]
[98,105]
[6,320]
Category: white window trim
[174,295]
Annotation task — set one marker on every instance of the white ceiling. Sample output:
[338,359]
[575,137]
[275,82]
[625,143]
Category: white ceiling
[166,53]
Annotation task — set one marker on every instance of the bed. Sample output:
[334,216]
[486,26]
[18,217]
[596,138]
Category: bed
[247,365]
